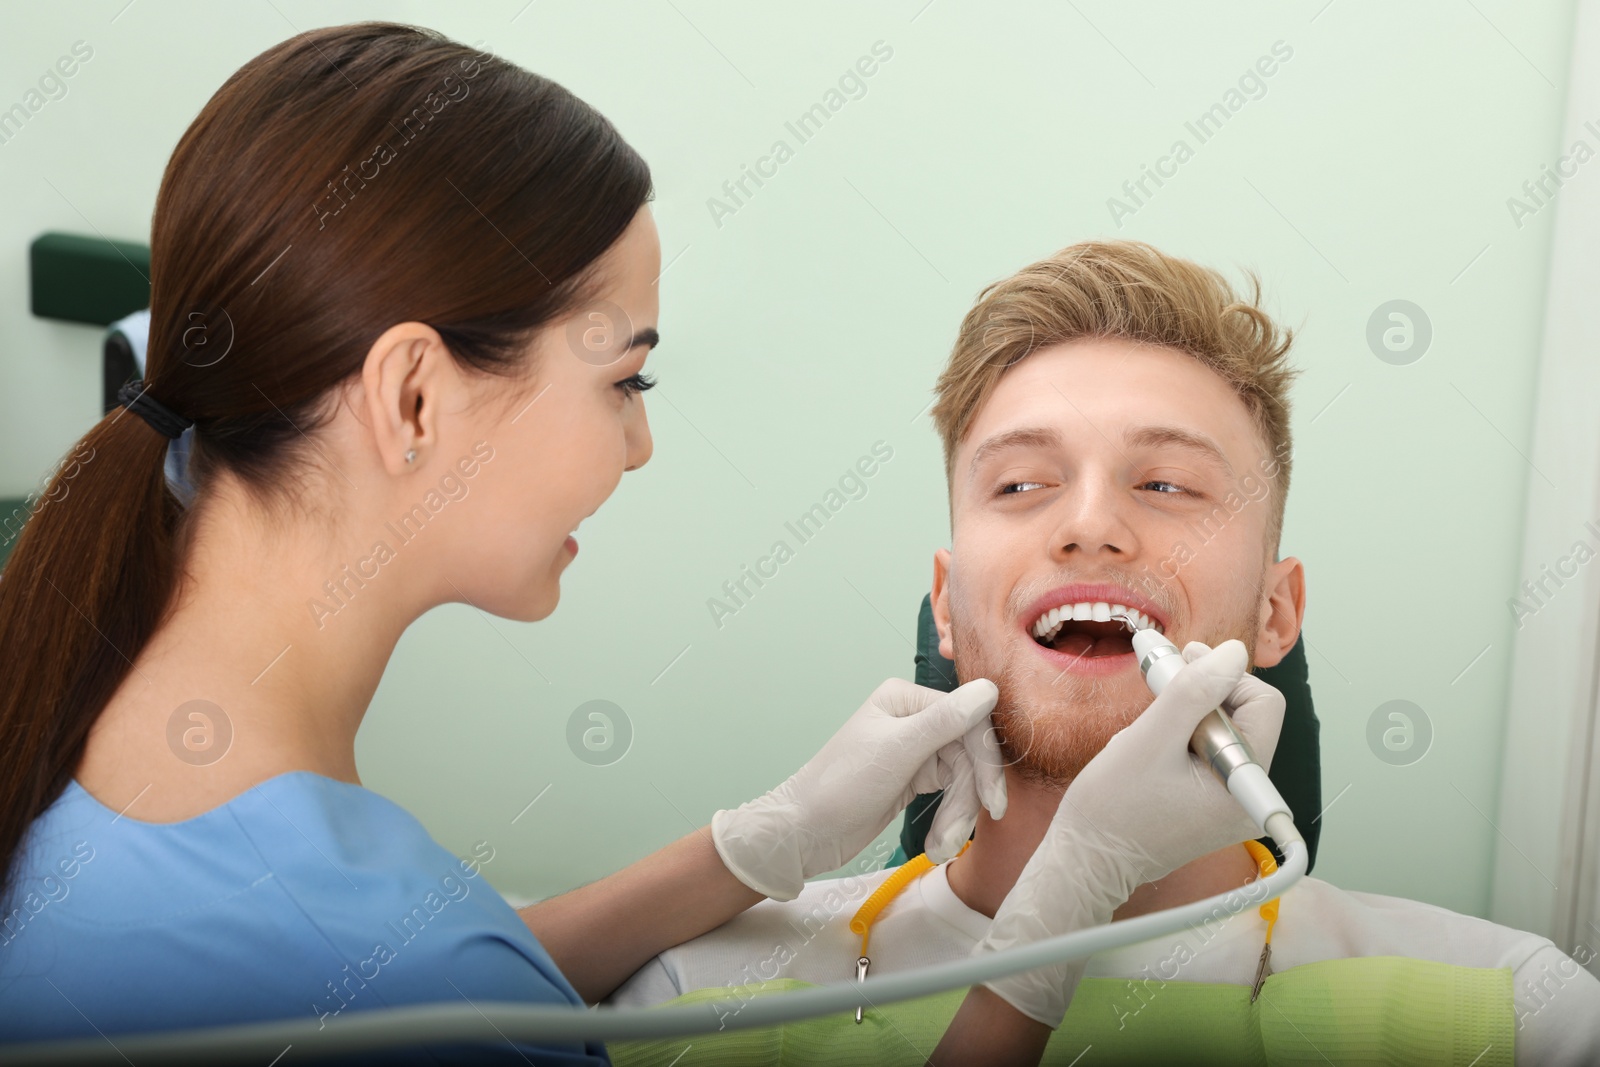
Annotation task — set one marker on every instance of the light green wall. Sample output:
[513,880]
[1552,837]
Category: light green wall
[811,323]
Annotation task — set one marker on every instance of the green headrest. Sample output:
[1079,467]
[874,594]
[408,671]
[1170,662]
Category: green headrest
[1296,765]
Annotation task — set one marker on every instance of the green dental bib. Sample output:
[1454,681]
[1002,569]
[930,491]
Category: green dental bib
[1366,1010]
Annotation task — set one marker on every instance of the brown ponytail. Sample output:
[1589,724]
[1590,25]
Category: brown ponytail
[347,179]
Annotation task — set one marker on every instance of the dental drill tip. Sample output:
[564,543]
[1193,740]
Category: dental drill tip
[1127,621]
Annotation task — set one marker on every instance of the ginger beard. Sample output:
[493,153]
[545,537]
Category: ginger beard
[1050,724]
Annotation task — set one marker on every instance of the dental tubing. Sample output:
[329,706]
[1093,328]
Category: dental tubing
[1216,741]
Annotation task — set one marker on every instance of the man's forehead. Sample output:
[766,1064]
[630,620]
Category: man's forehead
[1112,393]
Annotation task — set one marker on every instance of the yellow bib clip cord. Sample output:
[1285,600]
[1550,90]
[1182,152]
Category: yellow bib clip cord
[911,870]
[1269,911]
[861,924]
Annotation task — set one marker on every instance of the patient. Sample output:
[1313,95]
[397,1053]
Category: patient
[1116,434]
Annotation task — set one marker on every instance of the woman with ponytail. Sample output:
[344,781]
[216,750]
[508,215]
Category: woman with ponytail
[383,266]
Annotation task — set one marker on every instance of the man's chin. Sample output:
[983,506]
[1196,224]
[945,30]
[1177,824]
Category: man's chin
[1051,741]
[1051,722]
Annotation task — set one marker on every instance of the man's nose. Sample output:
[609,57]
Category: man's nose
[1090,520]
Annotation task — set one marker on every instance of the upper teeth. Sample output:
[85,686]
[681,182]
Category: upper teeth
[1096,611]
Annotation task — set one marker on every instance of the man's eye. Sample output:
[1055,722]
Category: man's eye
[1017,487]
[1171,487]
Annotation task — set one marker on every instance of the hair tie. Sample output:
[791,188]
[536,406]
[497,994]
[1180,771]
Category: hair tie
[137,399]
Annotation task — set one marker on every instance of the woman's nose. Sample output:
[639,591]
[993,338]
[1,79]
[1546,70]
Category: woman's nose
[640,445]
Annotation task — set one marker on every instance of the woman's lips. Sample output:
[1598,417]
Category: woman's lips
[571,544]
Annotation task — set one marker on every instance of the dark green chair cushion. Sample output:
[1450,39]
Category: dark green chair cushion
[1296,765]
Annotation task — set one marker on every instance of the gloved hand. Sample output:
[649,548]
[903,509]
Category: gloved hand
[906,739]
[1142,808]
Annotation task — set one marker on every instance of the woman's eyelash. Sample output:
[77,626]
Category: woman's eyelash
[635,384]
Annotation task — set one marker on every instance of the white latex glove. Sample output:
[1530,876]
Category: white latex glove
[906,739]
[1142,808]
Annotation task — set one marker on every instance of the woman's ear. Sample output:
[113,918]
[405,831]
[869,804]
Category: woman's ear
[941,602]
[1283,607]
[402,382]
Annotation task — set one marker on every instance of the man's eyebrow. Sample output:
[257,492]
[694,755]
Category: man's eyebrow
[1024,437]
[1176,436]
[647,337]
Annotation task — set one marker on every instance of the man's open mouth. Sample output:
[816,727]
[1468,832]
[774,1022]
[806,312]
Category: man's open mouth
[1087,629]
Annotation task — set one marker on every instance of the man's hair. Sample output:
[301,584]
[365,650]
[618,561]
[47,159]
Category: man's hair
[1132,291]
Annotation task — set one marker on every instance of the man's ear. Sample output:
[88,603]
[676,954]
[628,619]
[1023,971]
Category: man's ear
[1283,607]
[941,602]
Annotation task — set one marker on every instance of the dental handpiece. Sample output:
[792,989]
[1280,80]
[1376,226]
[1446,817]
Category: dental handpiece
[1215,740]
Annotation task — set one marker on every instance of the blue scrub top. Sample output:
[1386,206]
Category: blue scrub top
[303,898]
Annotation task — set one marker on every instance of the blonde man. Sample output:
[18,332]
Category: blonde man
[1116,435]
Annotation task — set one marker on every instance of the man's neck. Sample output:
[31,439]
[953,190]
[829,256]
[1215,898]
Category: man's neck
[985,874]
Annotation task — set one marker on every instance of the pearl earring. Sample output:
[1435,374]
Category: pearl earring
[411,454]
